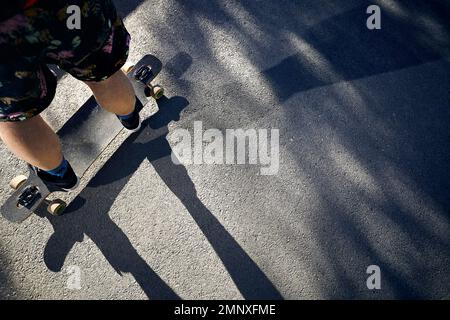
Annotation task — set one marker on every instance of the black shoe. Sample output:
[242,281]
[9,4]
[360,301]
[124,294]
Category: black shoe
[67,182]
[133,121]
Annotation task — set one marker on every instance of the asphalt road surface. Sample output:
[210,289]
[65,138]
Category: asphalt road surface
[364,149]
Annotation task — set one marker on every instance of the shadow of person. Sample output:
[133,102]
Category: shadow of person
[248,277]
[88,213]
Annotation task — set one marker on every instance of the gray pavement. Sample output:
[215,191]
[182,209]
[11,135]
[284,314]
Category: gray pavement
[364,175]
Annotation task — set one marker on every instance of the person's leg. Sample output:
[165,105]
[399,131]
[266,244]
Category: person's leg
[36,143]
[23,97]
[100,68]
[33,141]
[30,90]
[115,94]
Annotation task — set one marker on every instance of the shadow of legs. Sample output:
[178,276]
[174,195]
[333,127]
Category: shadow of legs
[248,277]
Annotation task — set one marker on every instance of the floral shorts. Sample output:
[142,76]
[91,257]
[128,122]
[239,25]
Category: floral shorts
[41,32]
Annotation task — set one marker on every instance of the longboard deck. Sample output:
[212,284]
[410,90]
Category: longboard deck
[84,137]
[91,129]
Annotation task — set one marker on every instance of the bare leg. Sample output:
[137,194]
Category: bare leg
[36,143]
[33,141]
[115,94]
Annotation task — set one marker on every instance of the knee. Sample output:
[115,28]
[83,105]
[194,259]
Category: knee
[14,127]
[8,126]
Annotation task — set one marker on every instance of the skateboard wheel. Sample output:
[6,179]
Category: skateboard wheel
[56,207]
[157,92]
[127,67]
[148,92]
[17,182]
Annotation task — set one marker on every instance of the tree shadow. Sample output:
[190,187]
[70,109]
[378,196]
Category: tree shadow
[412,141]
[342,48]
[125,7]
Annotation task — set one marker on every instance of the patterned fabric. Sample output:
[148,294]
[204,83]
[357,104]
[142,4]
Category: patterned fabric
[35,33]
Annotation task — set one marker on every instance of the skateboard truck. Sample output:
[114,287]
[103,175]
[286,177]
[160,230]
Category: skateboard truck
[29,197]
[145,75]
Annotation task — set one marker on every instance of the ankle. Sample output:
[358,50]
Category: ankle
[130,114]
[126,116]
[60,170]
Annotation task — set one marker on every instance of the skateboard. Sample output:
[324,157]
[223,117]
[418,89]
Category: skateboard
[84,137]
